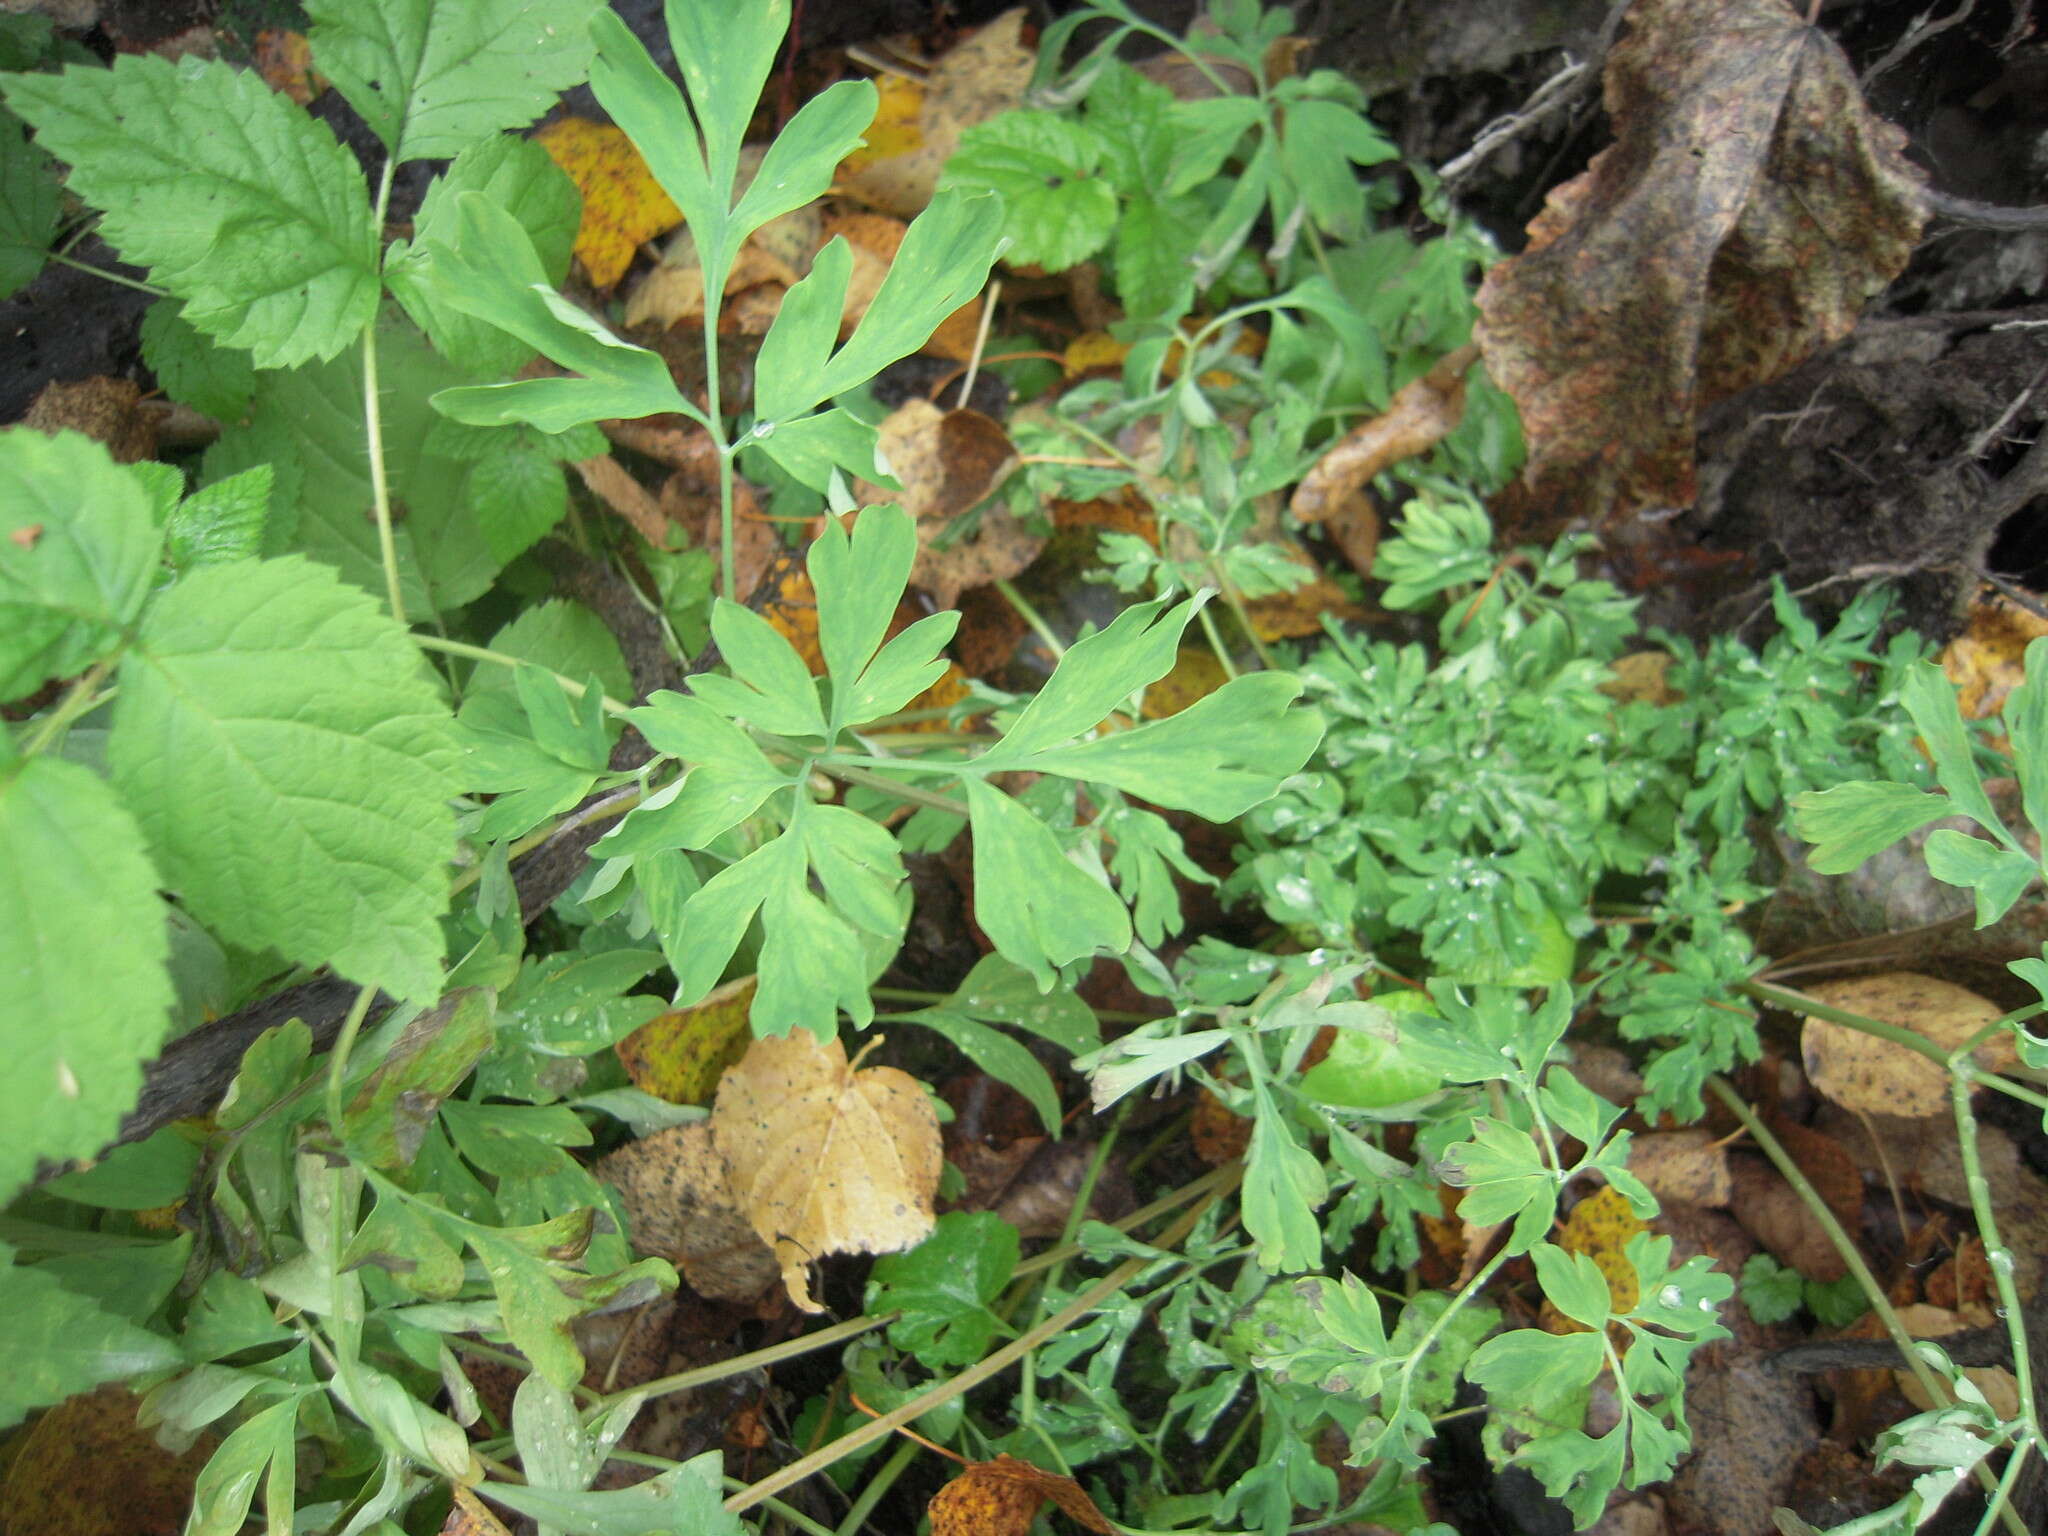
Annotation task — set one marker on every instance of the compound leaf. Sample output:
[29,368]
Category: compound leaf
[1038,908]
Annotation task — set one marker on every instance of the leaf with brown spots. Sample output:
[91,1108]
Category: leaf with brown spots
[823,1157]
[680,1206]
[1600,1226]
[1748,209]
[1003,1497]
[1862,1072]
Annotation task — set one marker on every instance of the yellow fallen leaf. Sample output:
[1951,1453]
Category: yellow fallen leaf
[622,202]
[826,1158]
[1861,1072]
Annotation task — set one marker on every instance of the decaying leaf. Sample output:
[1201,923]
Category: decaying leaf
[946,462]
[678,1056]
[1417,418]
[469,1515]
[607,479]
[824,1157]
[1003,1497]
[1682,1167]
[1748,209]
[622,202]
[1988,659]
[679,1206]
[1862,1072]
[984,75]
[86,1468]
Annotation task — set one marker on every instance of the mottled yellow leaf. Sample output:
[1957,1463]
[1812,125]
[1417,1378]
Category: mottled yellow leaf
[622,202]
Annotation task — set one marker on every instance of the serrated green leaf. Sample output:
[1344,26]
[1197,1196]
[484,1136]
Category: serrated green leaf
[1851,822]
[1321,141]
[562,636]
[1059,211]
[57,1343]
[1038,909]
[1997,876]
[1219,757]
[289,760]
[82,942]
[516,496]
[518,177]
[78,548]
[431,77]
[238,202]
[29,204]
[221,381]
[220,523]
[492,271]
[309,424]
[1155,256]
[943,1288]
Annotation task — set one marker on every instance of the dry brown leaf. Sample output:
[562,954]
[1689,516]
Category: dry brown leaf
[679,1205]
[85,1468]
[107,410]
[1772,1212]
[1862,1072]
[1641,675]
[1987,660]
[285,61]
[1748,209]
[1682,1167]
[1003,1497]
[824,1158]
[1995,1382]
[609,482]
[983,75]
[1414,422]
[946,462]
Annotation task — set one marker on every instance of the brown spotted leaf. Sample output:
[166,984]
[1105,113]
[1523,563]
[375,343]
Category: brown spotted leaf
[946,463]
[1748,209]
[1003,1497]
[824,1158]
[680,1207]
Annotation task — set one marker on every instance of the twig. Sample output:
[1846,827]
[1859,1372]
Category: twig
[1921,30]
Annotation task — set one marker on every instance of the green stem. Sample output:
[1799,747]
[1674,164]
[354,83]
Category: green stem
[884,1479]
[759,1360]
[991,1366]
[789,1512]
[101,272]
[373,427]
[1027,1392]
[337,1061]
[1996,1255]
[1222,1458]
[889,786]
[1216,644]
[1032,617]
[570,686]
[79,699]
[1798,1002]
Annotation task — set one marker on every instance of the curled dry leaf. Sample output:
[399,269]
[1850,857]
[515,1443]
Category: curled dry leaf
[1988,659]
[984,75]
[1862,1072]
[1003,1497]
[609,482]
[824,1158]
[680,1206]
[1749,207]
[1417,418]
[946,462]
